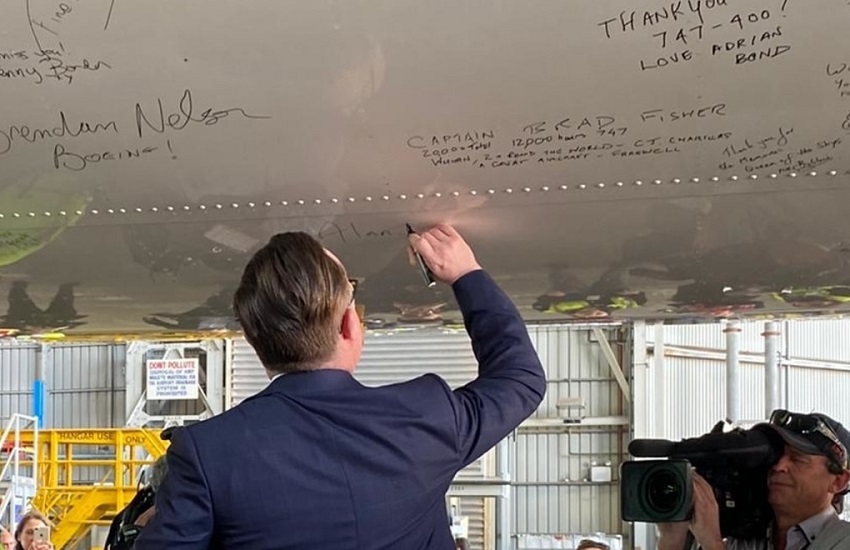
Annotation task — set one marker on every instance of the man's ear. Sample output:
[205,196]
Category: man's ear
[350,324]
[841,481]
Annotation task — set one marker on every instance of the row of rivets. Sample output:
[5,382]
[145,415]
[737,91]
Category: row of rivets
[369,198]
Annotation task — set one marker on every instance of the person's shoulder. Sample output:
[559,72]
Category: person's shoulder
[835,536]
[428,393]
[414,389]
[215,425]
[428,379]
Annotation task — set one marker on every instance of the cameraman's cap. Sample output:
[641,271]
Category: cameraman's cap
[806,442]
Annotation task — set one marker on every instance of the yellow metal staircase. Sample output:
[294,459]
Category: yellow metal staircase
[86,476]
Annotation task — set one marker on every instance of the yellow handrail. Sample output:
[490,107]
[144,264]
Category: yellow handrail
[86,476]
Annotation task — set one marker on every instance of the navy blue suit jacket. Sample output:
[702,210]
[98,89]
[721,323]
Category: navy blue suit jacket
[317,461]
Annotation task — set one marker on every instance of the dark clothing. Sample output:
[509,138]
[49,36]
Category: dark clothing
[317,460]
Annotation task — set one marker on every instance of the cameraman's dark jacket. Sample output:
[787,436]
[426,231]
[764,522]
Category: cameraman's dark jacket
[123,531]
[128,523]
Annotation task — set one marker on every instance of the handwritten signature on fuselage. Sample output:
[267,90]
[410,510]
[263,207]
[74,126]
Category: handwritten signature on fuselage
[160,122]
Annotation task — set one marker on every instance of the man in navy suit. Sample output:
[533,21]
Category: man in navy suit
[317,461]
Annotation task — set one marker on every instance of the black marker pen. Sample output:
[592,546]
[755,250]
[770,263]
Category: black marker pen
[426,272]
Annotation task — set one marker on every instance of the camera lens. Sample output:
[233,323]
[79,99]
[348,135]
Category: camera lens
[656,490]
[663,491]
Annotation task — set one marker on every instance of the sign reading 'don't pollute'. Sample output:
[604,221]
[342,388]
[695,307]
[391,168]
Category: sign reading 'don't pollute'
[170,379]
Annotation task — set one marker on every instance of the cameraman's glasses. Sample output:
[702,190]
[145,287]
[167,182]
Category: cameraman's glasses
[807,425]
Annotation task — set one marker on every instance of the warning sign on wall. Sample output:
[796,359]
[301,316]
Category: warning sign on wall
[172,379]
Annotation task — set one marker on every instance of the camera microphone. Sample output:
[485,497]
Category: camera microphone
[157,472]
[651,448]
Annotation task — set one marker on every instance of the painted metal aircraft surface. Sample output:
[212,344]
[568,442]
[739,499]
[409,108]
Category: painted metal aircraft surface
[682,161]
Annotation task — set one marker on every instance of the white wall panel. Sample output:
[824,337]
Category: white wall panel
[820,340]
[552,492]
[245,375]
[814,372]
[822,390]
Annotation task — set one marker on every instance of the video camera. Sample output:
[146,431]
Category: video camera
[123,531]
[735,463]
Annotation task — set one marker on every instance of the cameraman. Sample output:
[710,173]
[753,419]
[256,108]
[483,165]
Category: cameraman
[809,478]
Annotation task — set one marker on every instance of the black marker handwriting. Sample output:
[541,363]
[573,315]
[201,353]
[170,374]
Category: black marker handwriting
[62,158]
[65,129]
[185,115]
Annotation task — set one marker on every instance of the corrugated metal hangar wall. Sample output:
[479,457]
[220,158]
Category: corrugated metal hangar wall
[559,458]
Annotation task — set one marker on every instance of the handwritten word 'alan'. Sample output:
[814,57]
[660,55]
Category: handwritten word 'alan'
[65,129]
[185,115]
[350,232]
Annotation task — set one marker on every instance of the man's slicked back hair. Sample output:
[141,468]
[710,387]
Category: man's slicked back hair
[290,302]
